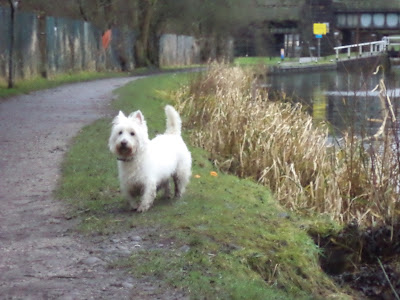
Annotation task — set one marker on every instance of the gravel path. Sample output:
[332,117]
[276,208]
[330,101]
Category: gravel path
[40,256]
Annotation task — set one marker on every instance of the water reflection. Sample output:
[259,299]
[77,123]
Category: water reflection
[343,99]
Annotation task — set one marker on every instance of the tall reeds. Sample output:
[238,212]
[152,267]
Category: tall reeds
[276,144]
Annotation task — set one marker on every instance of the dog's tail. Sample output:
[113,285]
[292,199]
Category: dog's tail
[174,122]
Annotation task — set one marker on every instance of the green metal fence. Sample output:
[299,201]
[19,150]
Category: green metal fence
[4,41]
[26,51]
[57,45]
[50,45]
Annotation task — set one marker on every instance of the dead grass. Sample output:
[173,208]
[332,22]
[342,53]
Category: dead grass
[276,144]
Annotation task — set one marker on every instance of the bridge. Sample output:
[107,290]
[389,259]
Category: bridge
[371,21]
[368,49]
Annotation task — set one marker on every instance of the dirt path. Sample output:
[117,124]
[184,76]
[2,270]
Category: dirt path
[40,256]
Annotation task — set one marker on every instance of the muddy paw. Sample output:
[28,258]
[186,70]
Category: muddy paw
[133,207]
[143,208]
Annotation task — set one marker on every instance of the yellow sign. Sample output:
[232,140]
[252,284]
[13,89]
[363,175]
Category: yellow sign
[319,28]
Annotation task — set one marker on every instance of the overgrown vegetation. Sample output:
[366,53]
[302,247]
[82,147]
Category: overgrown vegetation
[227,237]
[277,145]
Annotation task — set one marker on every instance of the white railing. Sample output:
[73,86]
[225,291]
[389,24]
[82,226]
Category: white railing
[373,49]
[392,40]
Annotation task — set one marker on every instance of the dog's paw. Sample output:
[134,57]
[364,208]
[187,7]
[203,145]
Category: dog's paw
[143,207]
[133,206]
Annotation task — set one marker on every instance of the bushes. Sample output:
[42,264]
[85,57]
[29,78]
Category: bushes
[276,144]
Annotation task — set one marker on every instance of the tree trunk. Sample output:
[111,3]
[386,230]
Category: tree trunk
[82,11]
[13,7]
[43,47]
[142,44]
[108,13]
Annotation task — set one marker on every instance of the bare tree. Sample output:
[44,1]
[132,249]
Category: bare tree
[13,8]
[151,18]
[147,8]
[82,10]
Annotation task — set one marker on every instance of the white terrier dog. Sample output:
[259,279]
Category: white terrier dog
[144,165]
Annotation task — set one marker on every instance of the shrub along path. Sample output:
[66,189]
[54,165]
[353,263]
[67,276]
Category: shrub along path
[41,256]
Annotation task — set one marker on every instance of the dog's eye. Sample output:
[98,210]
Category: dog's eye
[120,132]
[132,133]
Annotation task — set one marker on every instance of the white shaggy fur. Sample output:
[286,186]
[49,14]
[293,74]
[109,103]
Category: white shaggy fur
[144,165]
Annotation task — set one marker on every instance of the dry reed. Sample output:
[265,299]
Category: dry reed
[277,145]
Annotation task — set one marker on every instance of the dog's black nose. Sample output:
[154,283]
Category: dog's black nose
[124,143]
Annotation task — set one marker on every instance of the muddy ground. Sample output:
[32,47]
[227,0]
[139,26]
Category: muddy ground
[41,257]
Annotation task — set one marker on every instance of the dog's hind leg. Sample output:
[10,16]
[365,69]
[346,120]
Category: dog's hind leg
[167,191]
[180,181]
[182,176]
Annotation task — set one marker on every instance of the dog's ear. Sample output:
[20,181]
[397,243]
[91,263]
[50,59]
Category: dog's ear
[118,117]
[137,116]
[121,114]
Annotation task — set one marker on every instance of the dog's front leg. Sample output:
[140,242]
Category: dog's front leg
[131,195]
[149,194]
[133,202]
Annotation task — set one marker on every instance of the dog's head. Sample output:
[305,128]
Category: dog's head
[128,134]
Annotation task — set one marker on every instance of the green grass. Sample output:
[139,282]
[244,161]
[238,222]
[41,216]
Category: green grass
[288,61]
[239,243]
[39,83]
[257,60]
[181,67]
[274,61]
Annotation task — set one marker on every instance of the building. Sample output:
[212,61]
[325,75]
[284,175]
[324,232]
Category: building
[288,24]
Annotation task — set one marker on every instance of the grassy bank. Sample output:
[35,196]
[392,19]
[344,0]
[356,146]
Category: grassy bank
[272,61]
[227,237]
[40,83]
[288,61]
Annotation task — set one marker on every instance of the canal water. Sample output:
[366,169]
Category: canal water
[343,99]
